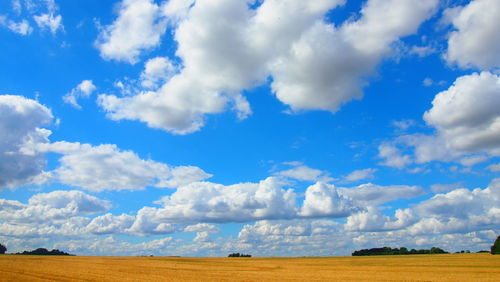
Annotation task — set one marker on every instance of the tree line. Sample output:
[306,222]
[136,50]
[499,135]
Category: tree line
[238,255]
[386,251]
[37,252]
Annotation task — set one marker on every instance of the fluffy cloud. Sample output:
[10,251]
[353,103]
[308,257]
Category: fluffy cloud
[392,156]
[297,237]
[323,200]
[82,90]
[210,202]
[110,224]
[20,126]
[466,122]
[467,113]
[157,70]
[372,220]
[105,167]
[476,41]
[137,28]
[226,47]
[458,211]
[54,213]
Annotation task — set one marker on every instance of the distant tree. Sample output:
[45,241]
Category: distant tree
[238,255]
[3,249]
[44,252]
[495,249]
[386,251]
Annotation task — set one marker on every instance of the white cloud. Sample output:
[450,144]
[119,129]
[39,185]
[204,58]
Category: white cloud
[305,173]
[392,156]
[80,202]
[323,200]
[467,115]
[138,28]
[110,224]
[54,213]
[50,22]
[226,47]
[210,202]
[20,126]
[82,90]
[157,70]
[362,174]
[466,122]
[106,167]
[22,27]
[372,220]
[476,41]
[371,194]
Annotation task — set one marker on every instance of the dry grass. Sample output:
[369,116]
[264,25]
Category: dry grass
[454,267]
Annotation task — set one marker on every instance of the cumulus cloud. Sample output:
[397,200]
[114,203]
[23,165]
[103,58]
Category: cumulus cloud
[20,126]
[457,211]
[138,28]
[106,167]
[157,70]
[466,123]
[323,200]
[110,224]
[373,220]
[466,114]
[210,202]
[57,212]
[82,90]
[227,47]
[475,43]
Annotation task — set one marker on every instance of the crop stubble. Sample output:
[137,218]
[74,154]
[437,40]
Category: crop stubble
[452,267]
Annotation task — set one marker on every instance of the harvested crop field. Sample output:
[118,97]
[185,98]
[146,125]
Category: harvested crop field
[452,267]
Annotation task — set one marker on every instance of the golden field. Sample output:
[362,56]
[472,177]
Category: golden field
[452,267]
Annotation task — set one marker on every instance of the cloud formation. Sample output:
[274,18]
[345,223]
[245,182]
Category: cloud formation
[475,42]
[82,90]
[137,28]
[21,125]
[226,47]
[106,167]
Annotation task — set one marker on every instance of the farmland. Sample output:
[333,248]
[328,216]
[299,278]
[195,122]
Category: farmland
[448,267]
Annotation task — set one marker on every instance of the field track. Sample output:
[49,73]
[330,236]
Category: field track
[454,267]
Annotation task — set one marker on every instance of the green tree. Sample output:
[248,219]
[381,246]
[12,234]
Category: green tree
[495,249]
[3,249]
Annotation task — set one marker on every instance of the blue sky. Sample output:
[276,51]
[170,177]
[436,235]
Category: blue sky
[276,127]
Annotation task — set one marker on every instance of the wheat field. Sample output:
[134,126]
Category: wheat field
[452,267]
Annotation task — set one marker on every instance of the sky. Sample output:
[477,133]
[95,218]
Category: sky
[266,127]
